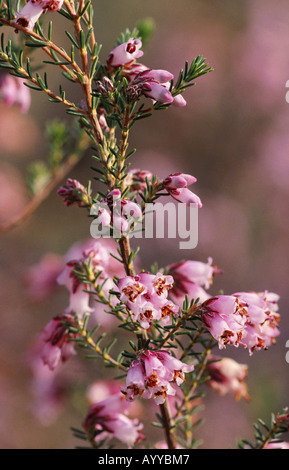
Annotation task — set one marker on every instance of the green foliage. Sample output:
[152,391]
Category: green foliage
[266,434]
[146,28]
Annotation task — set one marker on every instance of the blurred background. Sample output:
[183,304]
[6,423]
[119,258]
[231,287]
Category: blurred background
[233,135]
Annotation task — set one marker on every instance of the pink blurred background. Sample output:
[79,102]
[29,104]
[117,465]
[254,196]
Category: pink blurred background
[233,136]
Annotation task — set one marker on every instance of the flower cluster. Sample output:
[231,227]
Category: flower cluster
[108,419]
[93,260]
[152,84]
[146,297]
[151,376]
[246,319]
[137,179]
[73,192]
[192,278]
[143,81]
[33,9]
[88,266]
[115,211]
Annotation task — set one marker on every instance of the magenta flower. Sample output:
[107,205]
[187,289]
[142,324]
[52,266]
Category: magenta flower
[56,337]
[232,320]
[93,259]
[116,211]
[192,278]
[178,180]
[225,317]
[266,300]
[107,419]
[151,376]
[146,297]
[149,83]
[14,92]
[193,291]
[176,185]
[74,193]
[262,326]
[143,80]
[125,53]
[197,272]
[155,85]
[33,9]
[227,376]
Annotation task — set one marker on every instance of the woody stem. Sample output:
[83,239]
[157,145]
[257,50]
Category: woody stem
[167,424]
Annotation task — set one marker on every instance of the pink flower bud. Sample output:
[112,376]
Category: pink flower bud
[56,344]
[104,86]
[74,193]
[179,180]
[176,185]
[179,101]
[117,211]
[185,196]
[156,91]
[130,208]
[136,179]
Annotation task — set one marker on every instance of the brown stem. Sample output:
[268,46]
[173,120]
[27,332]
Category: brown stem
[50,45]
[86,84]
[124,142]
[166,418]
[124,245]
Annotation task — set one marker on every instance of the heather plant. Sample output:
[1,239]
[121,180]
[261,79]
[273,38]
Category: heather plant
[169,322]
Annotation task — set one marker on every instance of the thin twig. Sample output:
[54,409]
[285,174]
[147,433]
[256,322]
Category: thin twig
[58,176]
